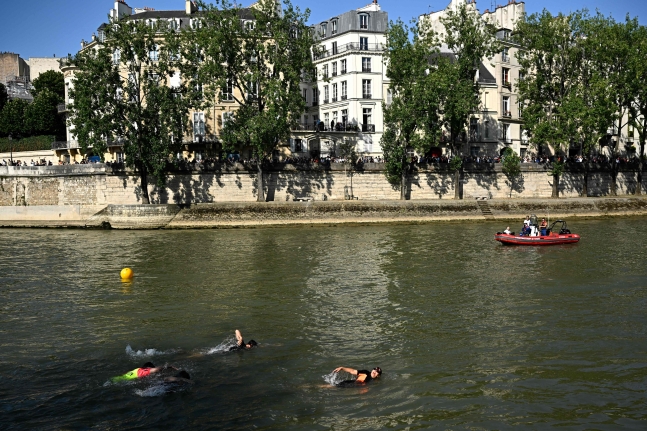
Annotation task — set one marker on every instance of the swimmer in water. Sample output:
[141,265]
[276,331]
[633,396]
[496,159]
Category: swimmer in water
[180,380]
[363,376]
[240,344]
[139,373]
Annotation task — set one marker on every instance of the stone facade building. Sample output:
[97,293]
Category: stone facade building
[14,74]
[40,65]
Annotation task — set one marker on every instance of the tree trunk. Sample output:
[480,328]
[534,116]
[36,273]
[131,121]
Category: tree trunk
[585,183]
[555,186]
[143,173]
[259,182]
[639,185]
[403,180]
[457,183]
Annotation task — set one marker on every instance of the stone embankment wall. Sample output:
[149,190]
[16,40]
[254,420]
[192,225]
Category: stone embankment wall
[100,185]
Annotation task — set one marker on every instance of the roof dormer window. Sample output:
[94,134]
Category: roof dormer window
[324,29]
[363,21]
[333,25]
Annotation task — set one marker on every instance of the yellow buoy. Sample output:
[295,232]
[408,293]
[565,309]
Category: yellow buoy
[127,274]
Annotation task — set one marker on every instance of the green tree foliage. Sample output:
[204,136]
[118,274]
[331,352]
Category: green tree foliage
[122,93]
[262,59]
[41,116]
[471,39]
[638,109]
[550,62]
[412,120]
[52,81]
[12,119]
[3,96]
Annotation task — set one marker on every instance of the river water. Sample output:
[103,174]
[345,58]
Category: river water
[469,333]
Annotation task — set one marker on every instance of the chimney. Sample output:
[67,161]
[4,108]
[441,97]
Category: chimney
[191,7]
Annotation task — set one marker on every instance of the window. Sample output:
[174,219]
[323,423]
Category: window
[505,77]
[151,23]
[389,97]
[315,96]
[334,27]
[154,54]
[116,57]
[344,90]
[487,129]
[366,64]
[334,69]
[198,87]
[324,29]
[326,120]
[344,116]
[363,43]
[334,48]
[505,133]
[363,21]
[474,129]
[520,108]
[326,98]
[630,128]
[198,124]
[334,117]
[505,55]
[154,78]
[367,117]
[474,151]
[195,23]
[174,56]
[133,88]
[305,95]
[298,145]
[343,66]
[227,94]
[506,106]
[227,117]
[325,71]
[173,24]
[334,92]
[253,89]
[366,88]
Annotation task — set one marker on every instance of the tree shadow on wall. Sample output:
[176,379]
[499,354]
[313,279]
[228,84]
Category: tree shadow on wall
[300,181]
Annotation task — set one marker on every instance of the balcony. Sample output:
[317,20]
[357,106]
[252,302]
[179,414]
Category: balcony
[507,114]
[62,108]
[505,58]
[325,101]
[334,74]
[65,145]
[343,72]
[506,140]
[344,97]
[366,69]
[375,47]
[368,128]
[366,96]
[315,102]
[339,127]
[334,99]
[507,84]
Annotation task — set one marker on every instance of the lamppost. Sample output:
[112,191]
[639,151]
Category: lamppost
[11,149]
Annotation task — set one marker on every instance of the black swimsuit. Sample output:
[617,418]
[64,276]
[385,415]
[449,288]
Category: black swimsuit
[351,383]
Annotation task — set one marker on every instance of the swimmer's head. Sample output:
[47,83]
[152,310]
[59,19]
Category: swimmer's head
[148,365]
[251,344]
[184,375]
[376,372]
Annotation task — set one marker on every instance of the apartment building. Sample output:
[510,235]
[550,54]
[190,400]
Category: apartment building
[202,141]
[345,102]
[14,74]
[498,124]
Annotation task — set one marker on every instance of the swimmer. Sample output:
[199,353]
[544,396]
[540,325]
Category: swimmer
[240,344]
[180,379]
[139,373]
[363,376]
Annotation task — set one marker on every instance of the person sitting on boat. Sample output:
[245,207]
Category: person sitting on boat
[507,231]
[543,226]
[525,230]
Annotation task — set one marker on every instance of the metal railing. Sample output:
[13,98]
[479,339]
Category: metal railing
[352,46]
[321,127]
[368,128]
[62,107]
[65,145]
[344,97]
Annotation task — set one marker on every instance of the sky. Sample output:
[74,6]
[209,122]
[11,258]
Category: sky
[46,28]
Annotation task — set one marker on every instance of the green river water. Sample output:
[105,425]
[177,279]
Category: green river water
[470,334]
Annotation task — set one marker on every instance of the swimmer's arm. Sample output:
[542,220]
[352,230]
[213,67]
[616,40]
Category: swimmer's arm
[160,369]
[348,370]
[239,337]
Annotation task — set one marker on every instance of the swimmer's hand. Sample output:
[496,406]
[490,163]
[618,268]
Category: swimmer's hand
[338,369]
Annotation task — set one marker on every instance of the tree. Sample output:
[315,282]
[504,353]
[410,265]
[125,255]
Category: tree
[3,96]
[52,81]
[257,57]
[550,61]
[41,116]
[511,166]
[638,109]
[412,119]
[471,39]
[122,93]
[12,119]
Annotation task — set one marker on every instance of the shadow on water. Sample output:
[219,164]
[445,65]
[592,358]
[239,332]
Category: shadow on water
[469,333]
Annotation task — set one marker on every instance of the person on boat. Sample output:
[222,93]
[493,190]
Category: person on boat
[240,344]
[139,373]
[543,226]
[525,230]
[507,230]
[363,376]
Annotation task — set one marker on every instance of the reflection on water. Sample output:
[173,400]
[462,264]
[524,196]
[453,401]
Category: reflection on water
[470,334]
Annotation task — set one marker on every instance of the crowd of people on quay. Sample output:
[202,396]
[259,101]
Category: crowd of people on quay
[40,162]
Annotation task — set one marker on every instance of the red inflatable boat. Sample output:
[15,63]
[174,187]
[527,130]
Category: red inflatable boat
[553,237]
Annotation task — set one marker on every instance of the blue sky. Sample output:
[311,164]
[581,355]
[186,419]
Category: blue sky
[43,28]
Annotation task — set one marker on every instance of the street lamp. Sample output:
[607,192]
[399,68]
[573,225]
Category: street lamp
[11,149]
